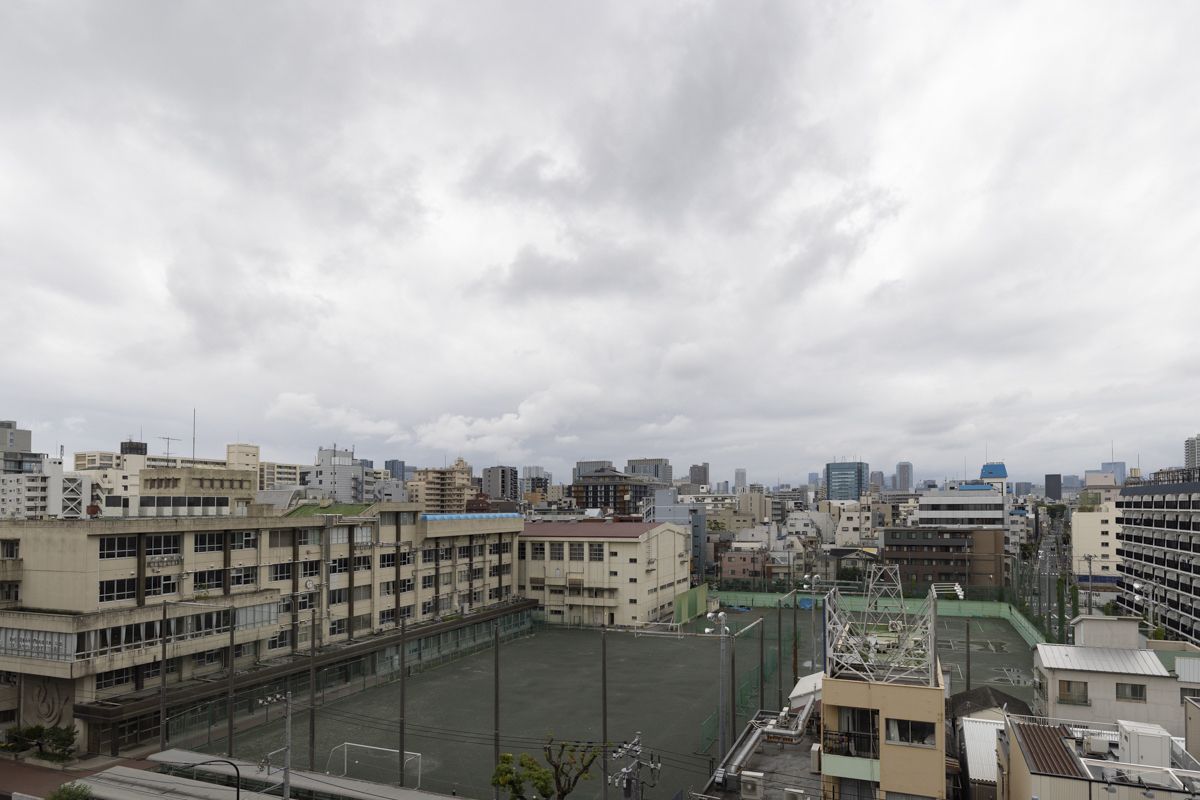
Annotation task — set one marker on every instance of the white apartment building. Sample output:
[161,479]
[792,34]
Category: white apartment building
[272,474]
[48,493]
[81,629]
[604,573]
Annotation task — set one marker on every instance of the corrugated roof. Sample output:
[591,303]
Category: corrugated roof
[1188,669]
[993,471]
[312,509]
[1043,746]
[979,736]
[1101,659]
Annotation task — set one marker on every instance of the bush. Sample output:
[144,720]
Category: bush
[53,744]
[71,791]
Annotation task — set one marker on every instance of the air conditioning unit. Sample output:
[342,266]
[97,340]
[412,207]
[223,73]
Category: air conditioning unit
[1097,745]
[794,794]
[895,626]
[752,785]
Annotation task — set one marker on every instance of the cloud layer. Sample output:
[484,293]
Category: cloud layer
[760,235]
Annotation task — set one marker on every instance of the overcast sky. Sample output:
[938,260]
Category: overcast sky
[762,235]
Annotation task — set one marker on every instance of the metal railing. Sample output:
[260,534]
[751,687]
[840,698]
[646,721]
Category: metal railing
[849,743]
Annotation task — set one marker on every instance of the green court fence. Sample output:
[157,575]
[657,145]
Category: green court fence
[946,608]
[708,733]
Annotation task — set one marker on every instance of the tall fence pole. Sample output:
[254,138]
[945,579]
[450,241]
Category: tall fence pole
[733,686]
[162,684]
[496,726]
[762,660]
[604,708]
[403,669]
[229,698]
[312,687]
[779,648]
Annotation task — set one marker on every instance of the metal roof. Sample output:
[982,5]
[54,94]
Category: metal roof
[1101,659]
[1043,747]
[1188,669]
[590,530]
[125,783]
[976,487]
[993,471]
[979,736]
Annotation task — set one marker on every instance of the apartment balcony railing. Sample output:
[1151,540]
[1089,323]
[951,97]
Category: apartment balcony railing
[1073,700]
[849,743]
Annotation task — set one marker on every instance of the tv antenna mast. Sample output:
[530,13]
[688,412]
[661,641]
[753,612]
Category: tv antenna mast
[168,440]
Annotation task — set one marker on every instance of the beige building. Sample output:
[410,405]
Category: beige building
[604,573]
[241,456]
[272,474]
[186,492]
[442,491]
[83,603]
[1094,533]
[883,699]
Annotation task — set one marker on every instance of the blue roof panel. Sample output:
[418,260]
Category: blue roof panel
[976,487]
[993,471]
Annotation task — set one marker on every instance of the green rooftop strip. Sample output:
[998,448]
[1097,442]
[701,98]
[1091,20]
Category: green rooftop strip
[345,509]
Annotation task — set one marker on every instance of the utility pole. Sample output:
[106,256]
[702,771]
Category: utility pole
[630,776]
[1089,558]
[968,655]
[287,748]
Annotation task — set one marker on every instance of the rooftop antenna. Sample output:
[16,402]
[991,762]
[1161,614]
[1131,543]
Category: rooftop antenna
[168,440]
[193,436]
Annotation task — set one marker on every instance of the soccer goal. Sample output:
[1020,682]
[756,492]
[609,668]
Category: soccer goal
[378,764]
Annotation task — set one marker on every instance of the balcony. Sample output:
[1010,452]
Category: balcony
[849,743]
[1073,700]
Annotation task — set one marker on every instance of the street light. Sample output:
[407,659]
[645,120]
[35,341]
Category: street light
[1137,587]
[721,630]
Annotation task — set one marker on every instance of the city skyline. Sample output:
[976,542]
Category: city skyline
[786,163]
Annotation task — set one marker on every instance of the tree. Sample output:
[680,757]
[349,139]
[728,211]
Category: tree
[71,791]
[1074,600]
[569,763]
[849,574]
[716,525]
[508,778]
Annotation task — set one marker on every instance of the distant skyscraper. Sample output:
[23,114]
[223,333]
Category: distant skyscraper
[739,478]
[1191,451]
[1054,487]
[847,480]
[721,487]
[698,474]
[814,479]
[369,464]
[1071,482]
[877,479]
[904,477]
[658,468]
[395,468]
[1117,468]
[1022,488]
[534,479]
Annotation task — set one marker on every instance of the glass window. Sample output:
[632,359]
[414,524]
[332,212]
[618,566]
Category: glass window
[910,731]
[596,551]
[243,540]
[339,596]
[1135,692]
[310,569]
[537,551]
[120,589]
[576,551]
[1073,692]
[280,539]
[162,545]
[309,537]
[387,560]
[208,542]
[556,551]
[118,546]
[243,576]
[339,565]
[157,585]
[362,563]
[281,572]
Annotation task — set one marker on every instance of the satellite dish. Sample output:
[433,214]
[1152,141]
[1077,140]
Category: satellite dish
[308,584]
